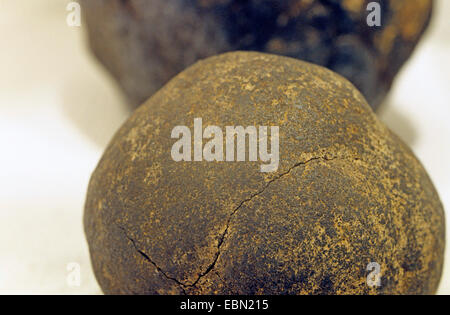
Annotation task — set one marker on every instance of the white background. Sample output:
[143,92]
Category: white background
[59,108]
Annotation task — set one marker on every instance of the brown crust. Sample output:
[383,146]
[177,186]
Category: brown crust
[347,192]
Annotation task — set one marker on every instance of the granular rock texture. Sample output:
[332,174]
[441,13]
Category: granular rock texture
[145,43]
[347,192]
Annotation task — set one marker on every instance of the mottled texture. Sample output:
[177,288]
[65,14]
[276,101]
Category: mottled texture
[145,43]
[347,192]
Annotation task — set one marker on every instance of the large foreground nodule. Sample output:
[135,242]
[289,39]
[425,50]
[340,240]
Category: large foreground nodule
[347,192]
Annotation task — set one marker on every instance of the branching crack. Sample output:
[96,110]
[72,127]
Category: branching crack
[182,285]
[146,257]
[222,237]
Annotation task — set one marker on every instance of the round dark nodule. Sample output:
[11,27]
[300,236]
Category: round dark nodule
[146,43]
[347,192]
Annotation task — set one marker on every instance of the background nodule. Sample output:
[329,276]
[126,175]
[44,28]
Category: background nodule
[146,43]
[347,192]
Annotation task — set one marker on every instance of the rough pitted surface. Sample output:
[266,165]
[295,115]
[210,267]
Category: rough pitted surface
[347,192]
[145,43]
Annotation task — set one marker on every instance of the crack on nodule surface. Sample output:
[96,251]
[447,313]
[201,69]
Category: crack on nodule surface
[222,238]
[147,258]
